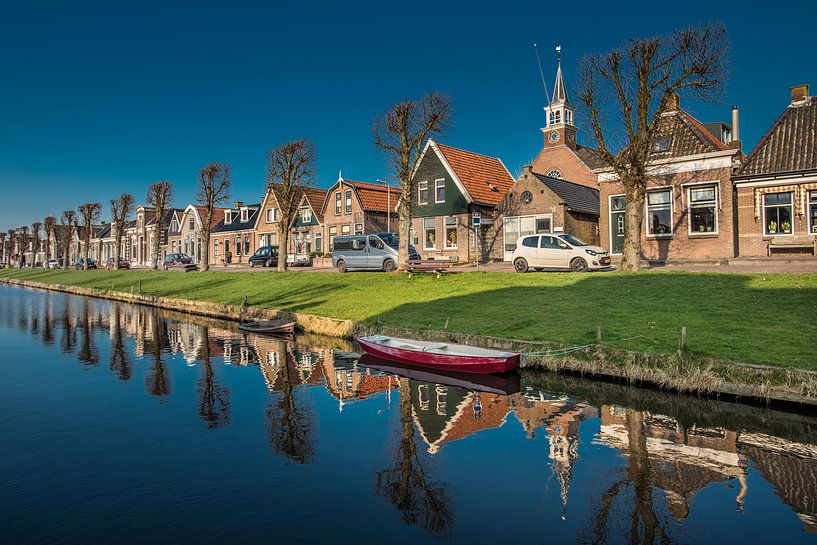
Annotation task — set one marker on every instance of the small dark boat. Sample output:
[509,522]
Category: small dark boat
[440,356]
[503,383]
[269,327]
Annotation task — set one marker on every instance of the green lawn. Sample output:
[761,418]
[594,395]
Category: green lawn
[758,318]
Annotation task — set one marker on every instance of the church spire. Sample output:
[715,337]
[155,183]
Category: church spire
[559,90]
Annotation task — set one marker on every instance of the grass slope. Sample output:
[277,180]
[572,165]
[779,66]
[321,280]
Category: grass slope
[758,318]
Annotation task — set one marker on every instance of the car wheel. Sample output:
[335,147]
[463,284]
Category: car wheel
[389,265]
[578,265]
[252,264]
[520,265]
[341,266]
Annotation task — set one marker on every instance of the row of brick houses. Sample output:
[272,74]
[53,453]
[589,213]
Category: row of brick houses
[705,199]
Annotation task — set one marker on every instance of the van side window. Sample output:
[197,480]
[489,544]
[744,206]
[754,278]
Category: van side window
[358,243]
[375,242]
[343,244]
[530,242]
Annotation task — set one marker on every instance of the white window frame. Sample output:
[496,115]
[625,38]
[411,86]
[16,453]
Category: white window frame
[425,234]
[671,190]
[228,217]
[448,227]
[790,205]
[215,248]
[690,206]
[318,242]
[345,230]
[439,183]
[245,215]
[358,231]
[347,207]
[812,203]
[610,218]
[272,215]
[422,186]
[338,202]
[238,246]
[306,215]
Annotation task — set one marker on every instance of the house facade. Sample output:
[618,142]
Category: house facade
[355,208]
[541,204]
[233,239]
[190,234]
[307,233]
[267,220]
[776,186]
[688,211]
[450,188]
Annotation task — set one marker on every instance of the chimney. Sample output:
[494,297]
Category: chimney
[735,133]
[799,93]
[674,103]
[238,204]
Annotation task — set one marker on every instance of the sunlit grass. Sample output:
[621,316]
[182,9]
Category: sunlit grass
[759,318]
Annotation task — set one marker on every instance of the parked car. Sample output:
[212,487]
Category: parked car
[80,264]
[51,264]
[562,251]
[123,264]
[368,252]
[179,261]
[266,256]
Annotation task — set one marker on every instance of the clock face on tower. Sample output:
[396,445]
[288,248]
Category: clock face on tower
[554,136]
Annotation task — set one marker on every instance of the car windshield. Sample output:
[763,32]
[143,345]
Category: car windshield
[390,239]
[572,240]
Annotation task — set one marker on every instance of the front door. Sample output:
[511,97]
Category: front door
[618,207]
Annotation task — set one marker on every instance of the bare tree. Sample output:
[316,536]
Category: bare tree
[69,224]
[3,236]
[159,197]
[121,208]
[36,227]
[400,133]
[625,91]
[290,169]
[214,190]
[22,245]
[49,224]
[90,212]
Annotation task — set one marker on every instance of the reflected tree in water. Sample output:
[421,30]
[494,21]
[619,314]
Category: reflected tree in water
[291,425]
[68,341]
[119,357]
[213,397]
[157,380]
[407,487]
[88,353]
[48,323]
[630,499]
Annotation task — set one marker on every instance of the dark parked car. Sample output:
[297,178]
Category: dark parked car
[179,261]
[123,264]
[266,256]
[80,264]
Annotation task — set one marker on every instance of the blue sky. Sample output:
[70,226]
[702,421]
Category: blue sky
[99,98]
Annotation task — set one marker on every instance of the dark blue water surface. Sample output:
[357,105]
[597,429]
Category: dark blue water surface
[126,424]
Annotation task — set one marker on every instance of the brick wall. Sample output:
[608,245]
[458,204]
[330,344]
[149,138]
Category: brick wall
[563,159]
[752,241]
[682,244]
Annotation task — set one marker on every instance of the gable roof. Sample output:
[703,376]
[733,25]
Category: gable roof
[236,224]
[578,198]
[591,157]
[790,144]
[315,196]
[687,136]
[372,197]
[485,179]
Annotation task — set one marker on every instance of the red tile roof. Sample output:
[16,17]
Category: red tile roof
[375,197]
[485,178]
[218,215]
[315,196]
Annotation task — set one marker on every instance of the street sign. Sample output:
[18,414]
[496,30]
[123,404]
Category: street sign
[476,219]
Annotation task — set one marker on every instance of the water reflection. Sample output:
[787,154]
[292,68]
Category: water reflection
[667,450]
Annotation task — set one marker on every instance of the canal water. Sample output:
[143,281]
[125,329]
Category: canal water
[126,424]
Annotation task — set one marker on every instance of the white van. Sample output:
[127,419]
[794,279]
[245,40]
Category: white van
[368,252]
[561,251]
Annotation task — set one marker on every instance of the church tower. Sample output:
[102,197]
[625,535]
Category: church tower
[559,129]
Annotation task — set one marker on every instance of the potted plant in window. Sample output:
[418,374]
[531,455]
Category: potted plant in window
[772,227]
[702,228]
[452,238]
[785,227]
[432,236]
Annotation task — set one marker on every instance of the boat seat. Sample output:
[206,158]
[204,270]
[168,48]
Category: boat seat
[435,347]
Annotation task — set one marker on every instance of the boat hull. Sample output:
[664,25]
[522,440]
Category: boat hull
[444,362]
[268,327]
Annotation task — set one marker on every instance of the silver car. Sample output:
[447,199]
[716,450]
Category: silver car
[558,251]
[368,252]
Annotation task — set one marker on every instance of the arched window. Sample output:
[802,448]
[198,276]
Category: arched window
[554,173]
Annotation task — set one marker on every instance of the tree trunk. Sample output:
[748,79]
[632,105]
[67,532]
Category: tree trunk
[86,252]
[117,250]
[47,248]
[634,218]
[283,248]
[404,224]
[205,250]
[156,236]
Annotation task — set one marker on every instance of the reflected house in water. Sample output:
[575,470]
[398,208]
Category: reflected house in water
[347,383]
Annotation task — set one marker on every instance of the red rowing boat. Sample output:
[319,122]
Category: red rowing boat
[435,355]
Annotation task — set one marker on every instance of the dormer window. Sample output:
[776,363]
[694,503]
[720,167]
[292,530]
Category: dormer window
[228,217]
[662,144]
[245,214]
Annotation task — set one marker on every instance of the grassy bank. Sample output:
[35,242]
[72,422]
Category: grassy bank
[755,318]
